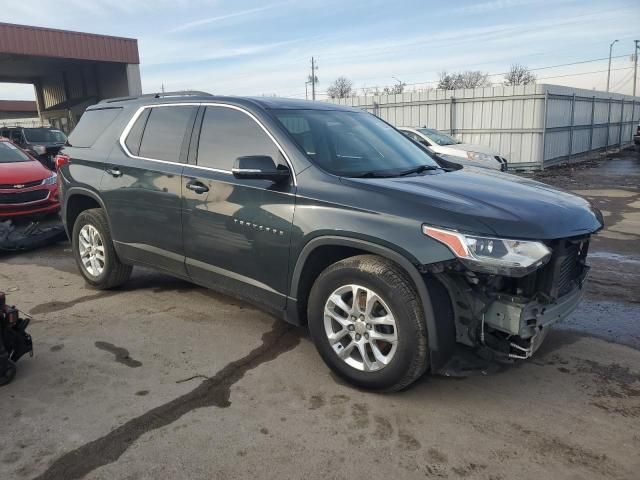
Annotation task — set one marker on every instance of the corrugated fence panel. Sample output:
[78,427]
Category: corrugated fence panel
[582,113]
[599,137]
[512,120]
[580,141]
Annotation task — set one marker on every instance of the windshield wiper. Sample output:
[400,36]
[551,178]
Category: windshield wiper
[372,174]
[381,174]
[420,169]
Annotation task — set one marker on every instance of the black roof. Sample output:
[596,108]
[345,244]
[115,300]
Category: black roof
[264,102]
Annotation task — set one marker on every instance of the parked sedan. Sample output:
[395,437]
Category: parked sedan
[26,186]
[41,143]
[463,153]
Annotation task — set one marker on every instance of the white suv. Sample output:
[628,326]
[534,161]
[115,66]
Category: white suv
[451,149]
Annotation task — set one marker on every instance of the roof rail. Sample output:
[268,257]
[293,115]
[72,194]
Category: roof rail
[182,93]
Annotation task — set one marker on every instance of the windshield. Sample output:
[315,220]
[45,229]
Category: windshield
[352,143]
[9,153]
[44,135]
[438,137]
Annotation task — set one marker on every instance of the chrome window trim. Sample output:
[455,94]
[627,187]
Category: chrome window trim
[138,112]
[246,170]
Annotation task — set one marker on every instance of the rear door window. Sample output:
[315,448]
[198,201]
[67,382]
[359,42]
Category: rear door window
[227,134]
[165,132]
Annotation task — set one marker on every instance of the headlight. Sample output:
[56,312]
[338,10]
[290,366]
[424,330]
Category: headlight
[479,157]
[499,256]
[51,180]
[39,149]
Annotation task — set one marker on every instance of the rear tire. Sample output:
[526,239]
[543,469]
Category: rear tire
[367,322]
[94,253]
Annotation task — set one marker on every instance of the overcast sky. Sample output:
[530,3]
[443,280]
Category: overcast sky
[253,48]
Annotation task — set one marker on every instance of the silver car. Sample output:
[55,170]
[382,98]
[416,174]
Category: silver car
[451,149]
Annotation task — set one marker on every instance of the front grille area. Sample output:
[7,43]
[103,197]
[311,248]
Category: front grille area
[23,197]
[10,186]
[566,267]
[569,269]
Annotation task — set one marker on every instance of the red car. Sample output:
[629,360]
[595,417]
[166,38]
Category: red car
[26,186]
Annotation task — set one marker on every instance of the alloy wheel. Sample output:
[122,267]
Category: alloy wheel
[91,249]
[360,327]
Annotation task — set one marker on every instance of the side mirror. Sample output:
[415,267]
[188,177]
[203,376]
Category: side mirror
[259,167]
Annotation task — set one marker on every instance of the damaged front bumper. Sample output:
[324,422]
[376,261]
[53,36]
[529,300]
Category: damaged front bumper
[527,321]
[505,326]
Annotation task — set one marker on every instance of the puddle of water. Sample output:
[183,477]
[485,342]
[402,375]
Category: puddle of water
[611,193]
[616,257]
[613,321]
[121,354]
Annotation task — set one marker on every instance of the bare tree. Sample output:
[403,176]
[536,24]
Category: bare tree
[466,79]
[447,81]
[340,88]
[397,88]
[519,75]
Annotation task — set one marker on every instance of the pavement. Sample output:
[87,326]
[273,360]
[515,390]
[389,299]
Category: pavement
[164,379]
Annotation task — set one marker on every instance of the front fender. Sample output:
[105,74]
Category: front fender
[438,332]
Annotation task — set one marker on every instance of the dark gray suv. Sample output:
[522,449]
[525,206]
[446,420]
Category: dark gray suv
[323,215]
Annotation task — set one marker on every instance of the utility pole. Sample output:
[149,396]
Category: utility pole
[609,70]
[313,78]
[635,67]
[306,89]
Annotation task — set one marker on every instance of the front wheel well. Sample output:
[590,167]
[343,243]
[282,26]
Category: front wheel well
[319,259]
[76,204]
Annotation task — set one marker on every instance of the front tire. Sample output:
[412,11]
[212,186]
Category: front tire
[93,251]
[367,322]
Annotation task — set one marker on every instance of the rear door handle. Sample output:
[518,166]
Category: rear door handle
[114,172]
[197,187]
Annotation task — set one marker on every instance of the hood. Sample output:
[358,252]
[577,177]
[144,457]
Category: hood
[465,147]
[23,172]
[506,205]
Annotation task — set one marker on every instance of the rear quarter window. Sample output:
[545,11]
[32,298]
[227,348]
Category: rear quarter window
[135,134]
[92,124]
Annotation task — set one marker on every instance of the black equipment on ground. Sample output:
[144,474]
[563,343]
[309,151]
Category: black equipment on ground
[14,340]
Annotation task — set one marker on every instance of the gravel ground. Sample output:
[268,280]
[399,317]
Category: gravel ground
[163,379]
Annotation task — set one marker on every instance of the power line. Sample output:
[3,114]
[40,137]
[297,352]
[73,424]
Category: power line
[584,73]
[619,83]
[532,69]
[581,62]
[622,81]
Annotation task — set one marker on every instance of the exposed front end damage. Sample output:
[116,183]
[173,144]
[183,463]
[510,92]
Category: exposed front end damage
[507,318]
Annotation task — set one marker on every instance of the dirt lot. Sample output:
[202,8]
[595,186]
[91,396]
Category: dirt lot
[163,379]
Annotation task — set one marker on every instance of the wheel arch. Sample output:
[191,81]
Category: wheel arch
[438,332]
[76,201]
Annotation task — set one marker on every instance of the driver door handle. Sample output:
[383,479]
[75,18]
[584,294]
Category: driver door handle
[197,187]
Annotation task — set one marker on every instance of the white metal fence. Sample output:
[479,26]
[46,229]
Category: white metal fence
[23,122]
[532,126]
